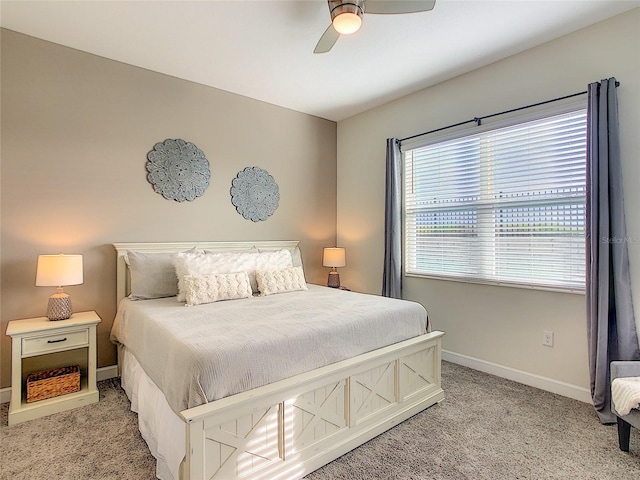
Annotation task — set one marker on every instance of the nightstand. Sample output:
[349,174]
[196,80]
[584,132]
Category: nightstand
[39,344]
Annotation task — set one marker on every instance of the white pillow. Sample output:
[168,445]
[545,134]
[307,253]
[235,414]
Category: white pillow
[201,289]
[274,260]
[280,281]
[296,256]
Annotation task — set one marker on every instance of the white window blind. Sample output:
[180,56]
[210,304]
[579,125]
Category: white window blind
[502,206]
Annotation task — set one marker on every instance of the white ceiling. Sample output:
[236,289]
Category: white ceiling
[263,49]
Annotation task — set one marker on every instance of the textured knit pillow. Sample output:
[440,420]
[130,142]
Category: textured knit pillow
[201,289]
[212,264]
[280,281]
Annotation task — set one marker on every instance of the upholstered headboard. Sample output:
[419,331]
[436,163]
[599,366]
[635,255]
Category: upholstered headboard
[123,287]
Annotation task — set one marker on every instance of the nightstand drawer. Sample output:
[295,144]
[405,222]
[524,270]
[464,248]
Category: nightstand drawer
[52,343]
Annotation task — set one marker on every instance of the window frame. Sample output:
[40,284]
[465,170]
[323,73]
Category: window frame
[507,120]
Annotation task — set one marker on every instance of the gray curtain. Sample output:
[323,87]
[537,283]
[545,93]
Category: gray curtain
[611,326]
[392,273]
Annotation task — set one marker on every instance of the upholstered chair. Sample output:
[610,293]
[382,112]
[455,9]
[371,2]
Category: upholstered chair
[621,369]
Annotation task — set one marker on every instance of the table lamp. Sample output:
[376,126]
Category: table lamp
[58,271]
[334,257]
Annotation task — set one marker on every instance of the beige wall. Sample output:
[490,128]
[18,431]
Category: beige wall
[494,324]
[76,129]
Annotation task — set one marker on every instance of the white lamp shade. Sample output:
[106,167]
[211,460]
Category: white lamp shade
[334,257]
[59,270]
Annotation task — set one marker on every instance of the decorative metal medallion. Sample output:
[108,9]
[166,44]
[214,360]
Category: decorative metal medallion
[178,170]
[255,194]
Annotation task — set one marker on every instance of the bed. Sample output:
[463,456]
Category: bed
[208,414]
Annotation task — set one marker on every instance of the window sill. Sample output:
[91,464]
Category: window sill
[575,291]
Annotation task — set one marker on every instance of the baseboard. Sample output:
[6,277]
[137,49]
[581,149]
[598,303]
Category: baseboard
[550,385]
[102,373]
[5,395]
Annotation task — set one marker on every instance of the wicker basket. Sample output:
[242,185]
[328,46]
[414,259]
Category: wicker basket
[52,383]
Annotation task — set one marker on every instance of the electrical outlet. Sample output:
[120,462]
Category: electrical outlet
[547,338]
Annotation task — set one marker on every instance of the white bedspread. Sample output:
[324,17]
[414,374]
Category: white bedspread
[199,354]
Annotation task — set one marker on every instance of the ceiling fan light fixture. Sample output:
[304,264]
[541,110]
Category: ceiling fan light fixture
[347,23]
[346,17]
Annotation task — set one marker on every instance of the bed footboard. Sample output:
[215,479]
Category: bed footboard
[290,428]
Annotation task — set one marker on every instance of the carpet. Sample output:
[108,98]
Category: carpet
[486,428]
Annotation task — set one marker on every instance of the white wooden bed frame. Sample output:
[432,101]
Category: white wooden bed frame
[294,426]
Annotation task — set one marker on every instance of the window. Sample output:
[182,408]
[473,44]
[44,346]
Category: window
[505,206]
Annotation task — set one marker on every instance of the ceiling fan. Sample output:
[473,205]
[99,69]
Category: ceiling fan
[346,16]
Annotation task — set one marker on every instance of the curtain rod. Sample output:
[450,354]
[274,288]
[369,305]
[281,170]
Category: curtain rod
[478,120]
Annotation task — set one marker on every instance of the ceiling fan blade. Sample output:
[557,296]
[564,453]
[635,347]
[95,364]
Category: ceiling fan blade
[327,40]
[398,6]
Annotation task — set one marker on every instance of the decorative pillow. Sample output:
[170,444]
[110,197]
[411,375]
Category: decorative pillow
[274,260]
[296,256]
[212,264]
[201,289]
[280,281]
[152,275]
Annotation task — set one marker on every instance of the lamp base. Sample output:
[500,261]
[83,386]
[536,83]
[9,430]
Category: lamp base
[59,307]
[334,280]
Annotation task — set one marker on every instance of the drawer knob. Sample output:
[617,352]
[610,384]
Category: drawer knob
[57,341]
